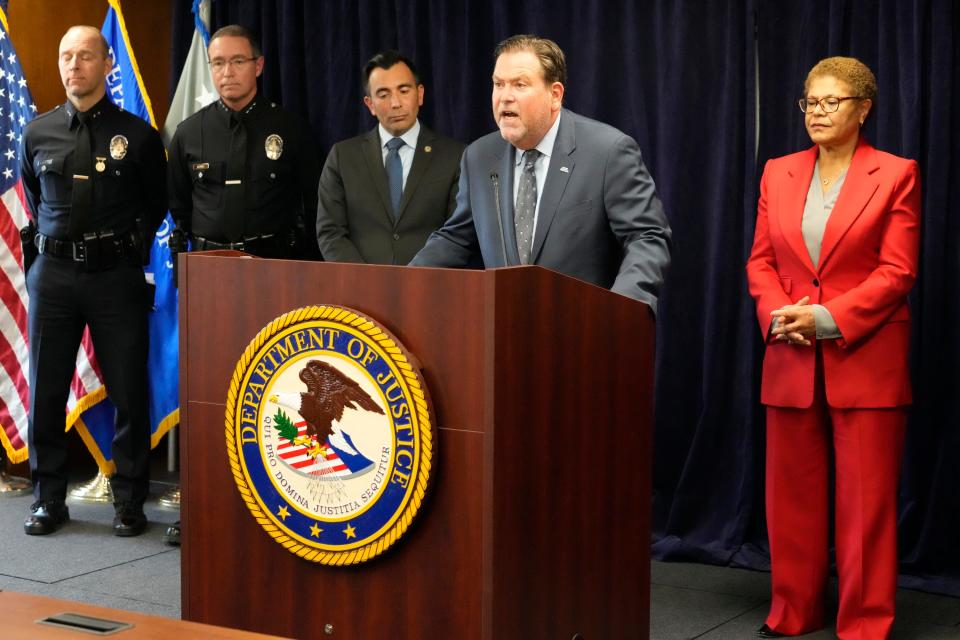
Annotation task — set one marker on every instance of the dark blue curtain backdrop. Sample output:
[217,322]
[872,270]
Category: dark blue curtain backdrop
[681,77]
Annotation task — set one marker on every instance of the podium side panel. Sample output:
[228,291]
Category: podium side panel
[571,525]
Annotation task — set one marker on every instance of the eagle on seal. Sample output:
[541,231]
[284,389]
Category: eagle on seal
[328,393]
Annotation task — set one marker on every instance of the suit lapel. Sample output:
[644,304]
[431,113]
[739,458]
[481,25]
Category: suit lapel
[561,167]
[793,199]
[857,190]
[421,161]
[373,157]
[503,164]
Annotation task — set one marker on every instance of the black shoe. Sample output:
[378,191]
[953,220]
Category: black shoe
[46,518]
[767,632]
[172,534]
[130,519]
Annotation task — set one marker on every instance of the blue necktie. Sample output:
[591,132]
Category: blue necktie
[395,173]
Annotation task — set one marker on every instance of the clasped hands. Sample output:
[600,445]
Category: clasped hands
[794,323]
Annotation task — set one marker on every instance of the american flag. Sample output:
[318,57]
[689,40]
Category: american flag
[323,462]
[16,109]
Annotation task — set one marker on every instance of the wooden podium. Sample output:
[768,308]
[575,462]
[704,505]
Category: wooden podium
[537,524]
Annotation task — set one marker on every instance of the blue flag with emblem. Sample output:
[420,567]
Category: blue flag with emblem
[126,89]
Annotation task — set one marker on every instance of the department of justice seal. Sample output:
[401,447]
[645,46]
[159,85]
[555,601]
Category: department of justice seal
[330,434]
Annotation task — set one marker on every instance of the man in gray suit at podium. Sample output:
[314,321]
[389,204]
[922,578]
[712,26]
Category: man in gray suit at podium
[554,188]
[383,192]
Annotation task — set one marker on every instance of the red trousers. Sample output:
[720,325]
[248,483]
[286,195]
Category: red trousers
[867,448]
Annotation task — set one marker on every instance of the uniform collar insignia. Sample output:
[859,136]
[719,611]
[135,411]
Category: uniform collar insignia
[246,110]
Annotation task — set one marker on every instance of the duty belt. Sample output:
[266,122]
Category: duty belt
[97,250]
[247,244]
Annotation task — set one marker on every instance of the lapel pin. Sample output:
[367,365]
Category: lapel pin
[427,149]
[564,170]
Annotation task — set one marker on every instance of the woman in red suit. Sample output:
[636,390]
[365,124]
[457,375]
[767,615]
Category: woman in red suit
[833,258]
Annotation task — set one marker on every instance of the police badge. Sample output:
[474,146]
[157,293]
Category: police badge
[273,146]
[118,147]
[330,435]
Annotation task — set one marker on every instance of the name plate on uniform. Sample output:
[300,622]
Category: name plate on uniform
[330,434]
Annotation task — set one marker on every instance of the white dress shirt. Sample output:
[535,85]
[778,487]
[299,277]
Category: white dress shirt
[405,152]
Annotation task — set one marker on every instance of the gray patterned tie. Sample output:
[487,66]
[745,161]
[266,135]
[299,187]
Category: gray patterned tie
[526,205]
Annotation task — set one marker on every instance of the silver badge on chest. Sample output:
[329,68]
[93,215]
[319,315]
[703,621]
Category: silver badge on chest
[273,146]
[118,147]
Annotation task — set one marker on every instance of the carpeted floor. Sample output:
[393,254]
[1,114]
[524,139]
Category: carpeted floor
[85,562]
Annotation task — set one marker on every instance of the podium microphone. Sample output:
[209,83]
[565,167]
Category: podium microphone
[495,180]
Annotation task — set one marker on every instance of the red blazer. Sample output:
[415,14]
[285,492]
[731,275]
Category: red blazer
[868,263]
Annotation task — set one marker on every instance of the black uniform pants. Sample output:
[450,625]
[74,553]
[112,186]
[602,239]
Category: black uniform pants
[114,303]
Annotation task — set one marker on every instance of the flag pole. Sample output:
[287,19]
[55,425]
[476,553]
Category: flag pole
[194,90]
[11,486]
[95,490]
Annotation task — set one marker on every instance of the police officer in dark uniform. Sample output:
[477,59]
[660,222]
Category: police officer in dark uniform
[94,178]
[244,172]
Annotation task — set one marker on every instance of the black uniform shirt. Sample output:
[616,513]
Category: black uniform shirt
[129,173]
[279,176]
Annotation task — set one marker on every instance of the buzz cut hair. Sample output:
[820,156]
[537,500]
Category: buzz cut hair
[104,44]
[239,31]
[99,37]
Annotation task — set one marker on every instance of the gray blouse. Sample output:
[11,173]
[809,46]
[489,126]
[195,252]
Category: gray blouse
[816,212]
